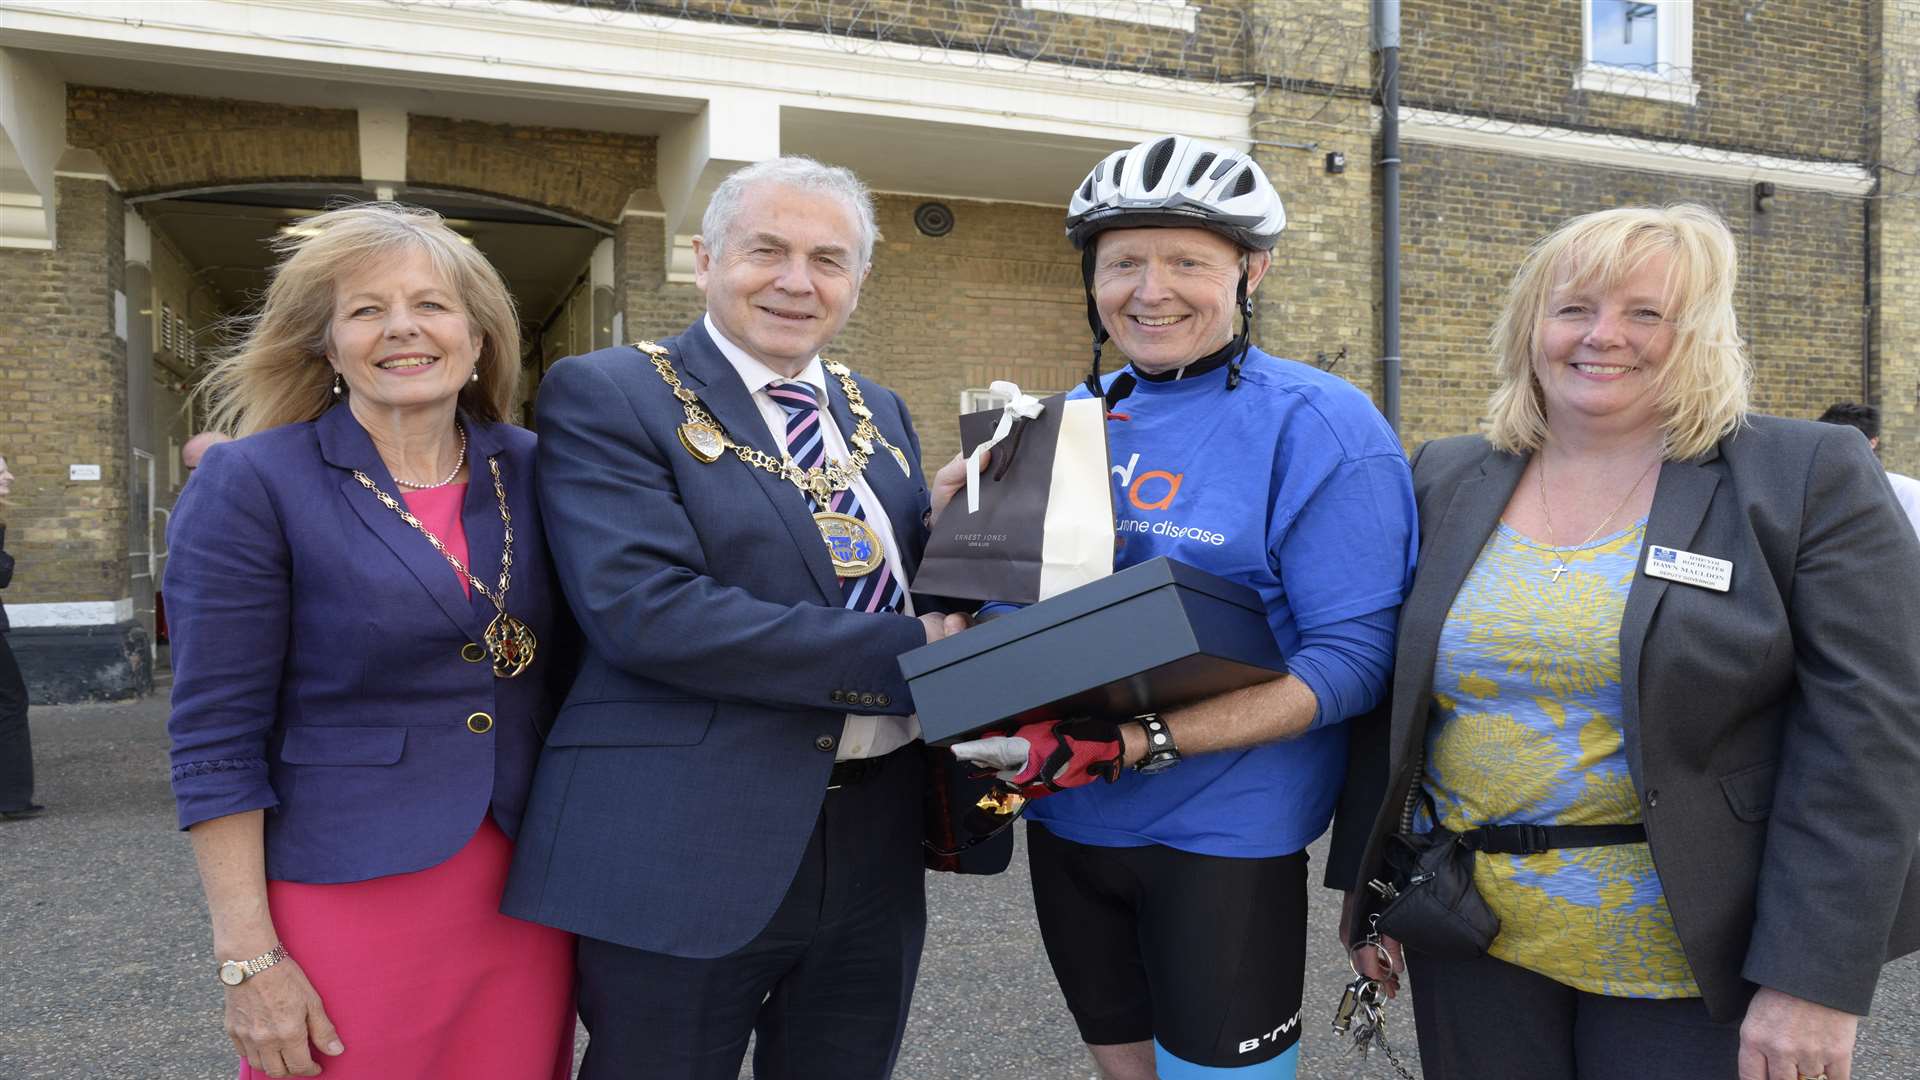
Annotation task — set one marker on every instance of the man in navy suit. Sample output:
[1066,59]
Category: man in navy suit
[728,810]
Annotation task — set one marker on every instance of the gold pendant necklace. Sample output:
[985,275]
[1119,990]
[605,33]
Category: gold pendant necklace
[509,641]
[852,544]
[702,441]
[1559,559]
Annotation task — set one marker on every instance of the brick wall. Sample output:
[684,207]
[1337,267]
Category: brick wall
[999,297]
[1322,294]
[1785,77]
[654,308]
[1324,44]
[588,174]
[1803,296]
[1896,232]
[1469,217]
[1220,45]
[62,378]
[162,142]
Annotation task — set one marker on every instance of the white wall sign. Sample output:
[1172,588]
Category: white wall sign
[83,472]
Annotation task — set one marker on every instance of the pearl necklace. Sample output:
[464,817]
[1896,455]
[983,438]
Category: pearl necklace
[455,471]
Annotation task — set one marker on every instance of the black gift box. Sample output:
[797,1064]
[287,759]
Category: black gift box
[1148,638]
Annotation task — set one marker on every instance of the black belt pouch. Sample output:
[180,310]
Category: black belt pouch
[1438,911]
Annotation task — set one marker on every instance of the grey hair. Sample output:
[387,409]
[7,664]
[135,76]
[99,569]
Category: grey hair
[793,171]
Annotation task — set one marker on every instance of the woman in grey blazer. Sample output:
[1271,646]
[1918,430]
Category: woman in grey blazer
[1642,608]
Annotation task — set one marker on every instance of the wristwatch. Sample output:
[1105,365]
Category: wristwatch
[1161,753]
[235,972]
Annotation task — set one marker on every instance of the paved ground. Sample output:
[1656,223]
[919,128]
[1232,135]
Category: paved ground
[105,970]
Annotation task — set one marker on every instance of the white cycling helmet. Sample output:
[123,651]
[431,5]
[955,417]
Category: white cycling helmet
[1175,181]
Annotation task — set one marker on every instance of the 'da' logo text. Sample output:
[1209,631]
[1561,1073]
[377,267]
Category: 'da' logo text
[1152,490]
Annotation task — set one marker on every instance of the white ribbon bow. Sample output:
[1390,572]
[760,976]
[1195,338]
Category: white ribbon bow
[1019,406]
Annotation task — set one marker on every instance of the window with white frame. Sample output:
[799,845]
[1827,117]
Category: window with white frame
[1641,48]
[977,400]
[1177,14]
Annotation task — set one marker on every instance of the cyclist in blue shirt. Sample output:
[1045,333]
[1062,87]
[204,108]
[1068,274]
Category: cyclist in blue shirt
[1172,896]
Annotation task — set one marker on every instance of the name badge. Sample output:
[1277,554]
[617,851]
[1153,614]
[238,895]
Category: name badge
[1689,569]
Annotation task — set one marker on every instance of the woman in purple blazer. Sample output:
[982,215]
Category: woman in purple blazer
[366,644]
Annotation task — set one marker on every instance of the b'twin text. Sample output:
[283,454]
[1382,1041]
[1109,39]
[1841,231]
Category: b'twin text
[1248,1046]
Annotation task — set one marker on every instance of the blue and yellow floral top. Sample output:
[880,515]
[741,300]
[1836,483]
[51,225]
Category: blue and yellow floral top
[1526,730]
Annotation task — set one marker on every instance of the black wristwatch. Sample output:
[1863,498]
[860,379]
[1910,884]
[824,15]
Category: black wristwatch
[1161,753]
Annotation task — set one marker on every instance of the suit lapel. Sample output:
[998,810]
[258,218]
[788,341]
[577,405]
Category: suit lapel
[345,445]
[1448,551]
[727,398]
[1680,503]
[480,516]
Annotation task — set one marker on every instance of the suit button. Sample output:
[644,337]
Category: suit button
[866,700]
[824,742]
[882,700]
[479,723]
[836,697]
[473,652]
[1653,797]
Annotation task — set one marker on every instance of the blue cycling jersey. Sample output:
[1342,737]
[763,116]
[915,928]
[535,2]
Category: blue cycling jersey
[1294,485]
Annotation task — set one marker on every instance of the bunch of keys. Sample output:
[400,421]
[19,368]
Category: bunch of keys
[1361,1015]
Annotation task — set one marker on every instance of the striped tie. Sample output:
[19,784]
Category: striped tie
[807,446]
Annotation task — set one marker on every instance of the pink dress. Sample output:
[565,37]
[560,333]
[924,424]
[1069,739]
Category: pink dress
[420,973]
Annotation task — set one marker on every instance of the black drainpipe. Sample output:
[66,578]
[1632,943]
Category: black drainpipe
[1866,289]
[1386,39]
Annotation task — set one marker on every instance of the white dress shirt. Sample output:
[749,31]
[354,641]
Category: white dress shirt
[1907,490]
[863,736]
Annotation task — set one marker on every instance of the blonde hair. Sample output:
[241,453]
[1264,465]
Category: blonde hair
[1701,390]
[278,373]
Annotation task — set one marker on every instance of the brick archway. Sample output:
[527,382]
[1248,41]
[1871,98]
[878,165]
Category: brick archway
[157,144]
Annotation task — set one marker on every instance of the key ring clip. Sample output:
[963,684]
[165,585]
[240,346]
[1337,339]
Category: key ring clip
[1371,941]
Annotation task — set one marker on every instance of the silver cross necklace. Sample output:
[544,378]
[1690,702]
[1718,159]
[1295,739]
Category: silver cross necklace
[1559,559]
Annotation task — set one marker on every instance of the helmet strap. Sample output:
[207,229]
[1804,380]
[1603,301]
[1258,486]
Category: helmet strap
[1093,316]
[1245,304]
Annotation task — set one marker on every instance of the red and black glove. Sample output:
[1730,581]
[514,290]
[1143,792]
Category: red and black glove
[1049,755]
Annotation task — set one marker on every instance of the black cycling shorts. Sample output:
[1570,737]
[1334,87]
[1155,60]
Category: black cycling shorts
[1201,953]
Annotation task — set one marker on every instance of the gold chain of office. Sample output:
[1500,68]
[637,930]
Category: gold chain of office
[705,439]
[510,641]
